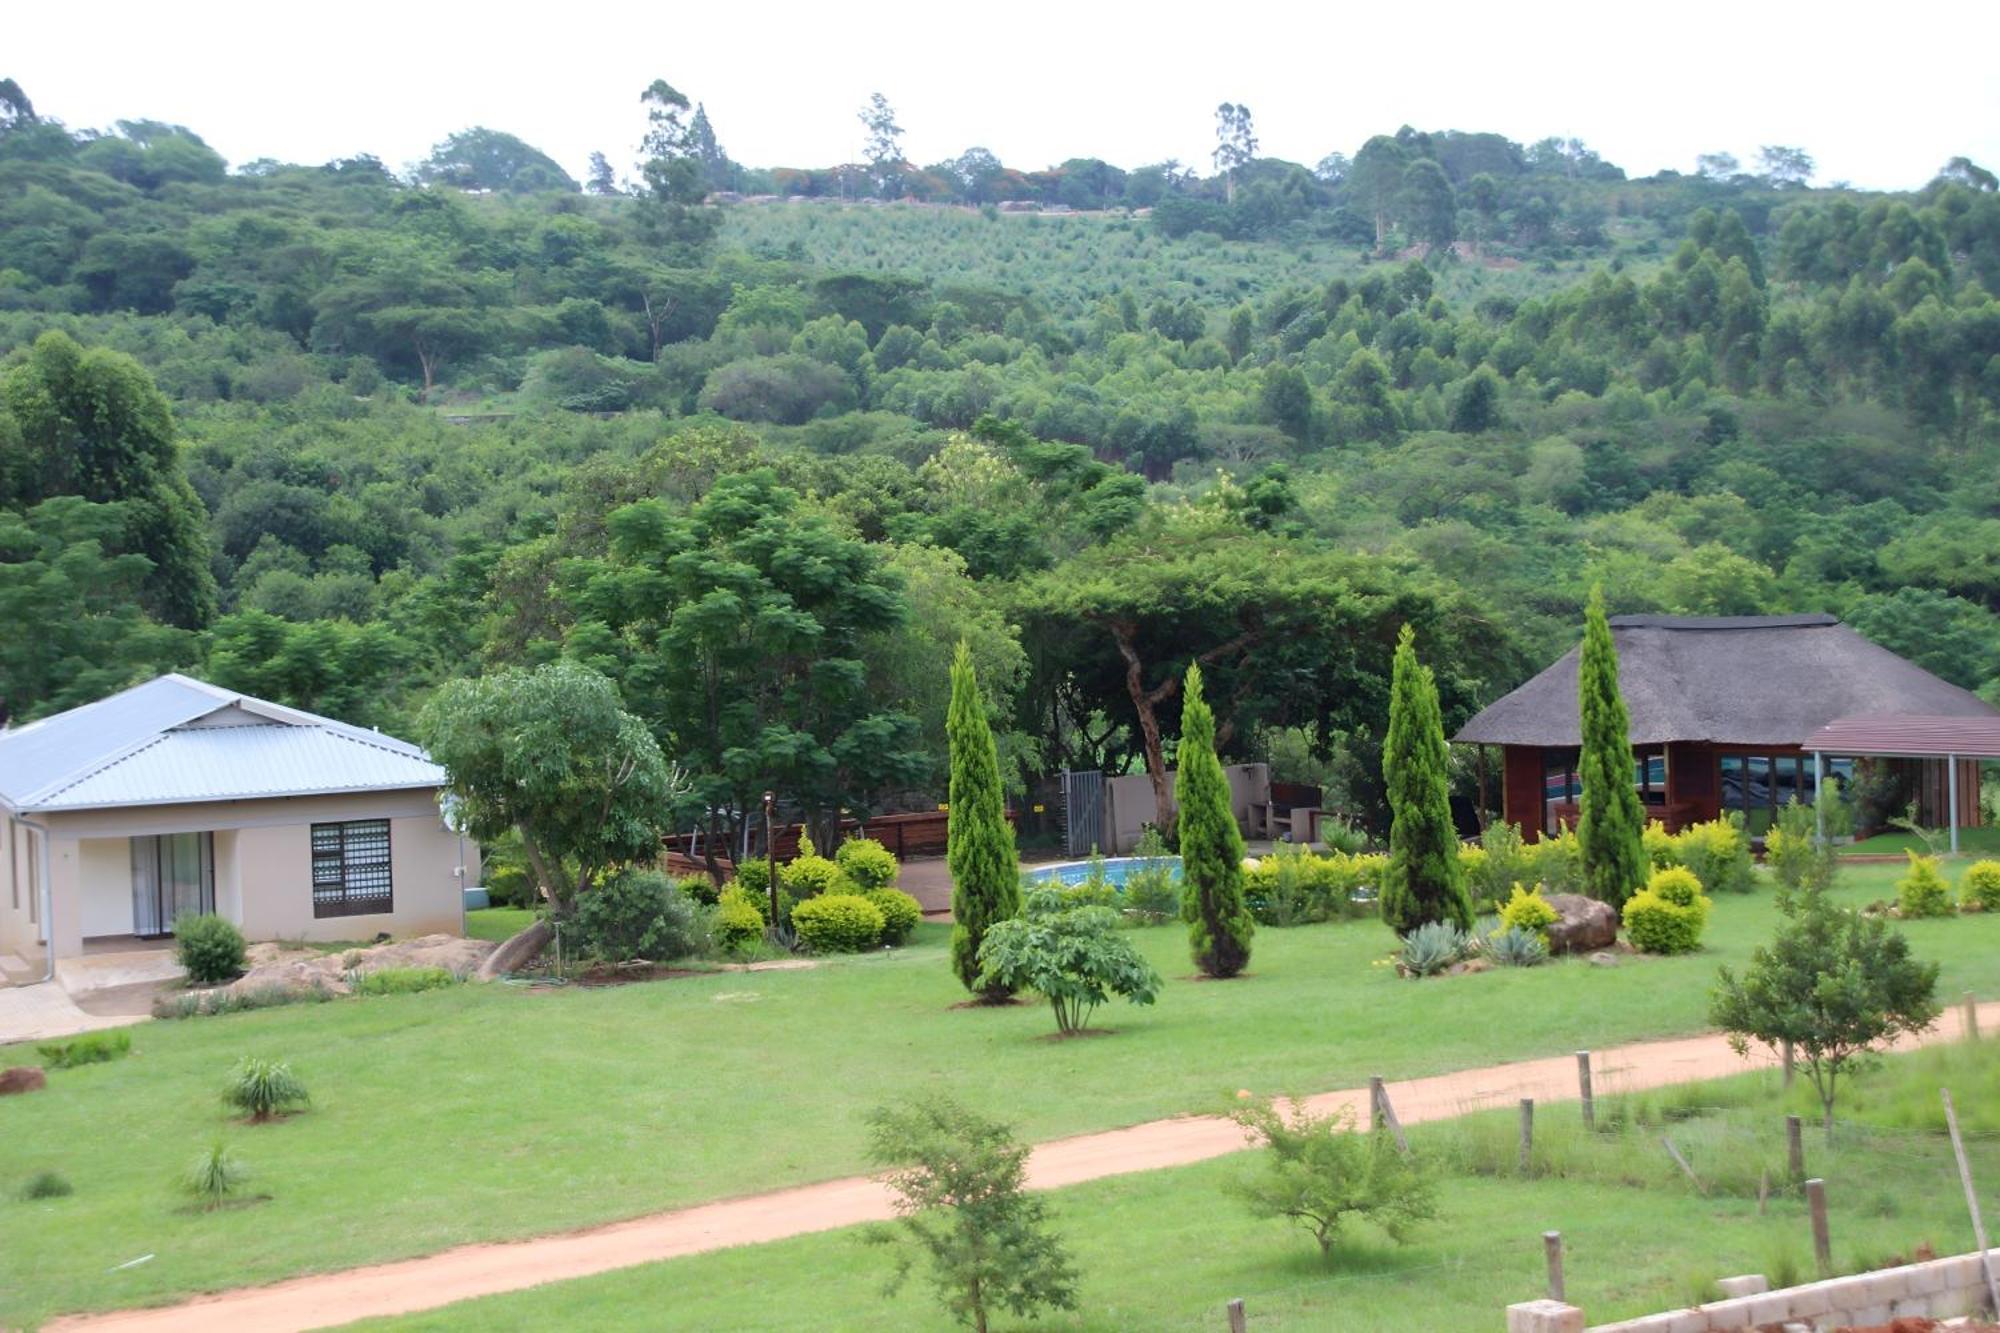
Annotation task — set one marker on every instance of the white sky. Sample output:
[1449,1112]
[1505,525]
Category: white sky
[1880,97]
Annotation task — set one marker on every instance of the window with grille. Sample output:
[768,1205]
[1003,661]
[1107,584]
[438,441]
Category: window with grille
[350,868]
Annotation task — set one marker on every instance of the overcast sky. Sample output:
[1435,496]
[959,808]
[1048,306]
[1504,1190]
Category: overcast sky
[1880,97]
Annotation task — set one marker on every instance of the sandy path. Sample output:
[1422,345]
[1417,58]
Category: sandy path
[410,1285]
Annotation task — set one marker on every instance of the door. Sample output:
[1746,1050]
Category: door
[173,875]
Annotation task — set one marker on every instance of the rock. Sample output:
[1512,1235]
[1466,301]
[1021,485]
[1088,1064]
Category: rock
[22,1078]
[1604,958]
[1582,924]
[1469,966]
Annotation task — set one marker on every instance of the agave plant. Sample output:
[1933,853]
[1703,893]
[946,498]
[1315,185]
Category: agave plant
[265,1089]
[1431,948]
[1515,947]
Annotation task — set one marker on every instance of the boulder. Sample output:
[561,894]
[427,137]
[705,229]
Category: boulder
[22,1078]
[1582,924]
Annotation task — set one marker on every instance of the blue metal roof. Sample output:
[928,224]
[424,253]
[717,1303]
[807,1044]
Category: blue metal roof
[175,739]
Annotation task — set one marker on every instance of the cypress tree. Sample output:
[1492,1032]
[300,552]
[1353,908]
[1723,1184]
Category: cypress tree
[1219,922]
[1424,881]
[985,870]
[1610,824]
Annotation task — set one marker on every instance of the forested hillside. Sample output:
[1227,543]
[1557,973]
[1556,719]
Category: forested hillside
[332,435]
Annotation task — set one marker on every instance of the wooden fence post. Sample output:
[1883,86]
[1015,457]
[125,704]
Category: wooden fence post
[1822,1244]
[1527,1133]
[1971,1032]
[1971,1197]
[1785,1049]
[1795,1148]
[1583,1088]
[1552,1247]
[1238,1321]
[1385,1114]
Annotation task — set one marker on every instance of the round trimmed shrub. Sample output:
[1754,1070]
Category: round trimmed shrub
[837,923]
[1677,884]
[209,949]
[1669,914]
[753,877]
[808,875]
[739,925]
[638,914]
[1526,910]
[1923,891]
[868,864]
[1981,886]
[900,913]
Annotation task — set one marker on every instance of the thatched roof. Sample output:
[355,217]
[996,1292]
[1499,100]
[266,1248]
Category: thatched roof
[1751,680]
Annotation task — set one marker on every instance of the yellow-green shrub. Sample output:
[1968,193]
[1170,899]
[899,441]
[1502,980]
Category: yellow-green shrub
[1661,848]
[1718,852]
[837,923]
[900,913]
[868,864]
[738,922]
[1923,891]
[1494,866]
[1294,887]
[808,875]
[1526,909]
[1556,862]
[1669,914]
[1981,886]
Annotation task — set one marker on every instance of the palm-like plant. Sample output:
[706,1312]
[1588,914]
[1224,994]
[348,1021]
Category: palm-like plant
[215,1175]
[265,1089]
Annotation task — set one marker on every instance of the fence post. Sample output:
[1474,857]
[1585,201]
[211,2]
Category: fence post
[1238,1321]
[1795,1148]
[1527,1133]
[1822,1244]
[1384,1114]
[1971,1198]
[1583,1088]
[1785,1050]
[1552,1247]
[1971,1032]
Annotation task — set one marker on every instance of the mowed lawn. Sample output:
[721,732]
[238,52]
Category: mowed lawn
[1167,1249]
[486,1112]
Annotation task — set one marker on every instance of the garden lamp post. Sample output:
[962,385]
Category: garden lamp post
[771,856]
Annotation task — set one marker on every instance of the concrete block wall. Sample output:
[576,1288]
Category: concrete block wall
[1937,1288]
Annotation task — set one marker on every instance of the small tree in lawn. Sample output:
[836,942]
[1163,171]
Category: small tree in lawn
[1075,956]
[1838,985]
[985,869]
[959,1181]
[551,755]
[1219,921]
[1424,880]
[1318,1171]
[1610,826]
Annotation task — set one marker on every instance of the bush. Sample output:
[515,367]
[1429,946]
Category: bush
[1293,887]
[754,878]
[1514,947]
[699,889]
[90,1049]
[1074,956]
[867,864]
[1669,914]
[1661,848]
[265,1089]
[1496,865]
[739,924]
[1320,1170]
[1557,862]
[403,980]
[1432,947]
[1152,893]
[1923,891]
[212,1177]
[1981,886]
[808,875]
[1794,852]
[837,923]
[1718,852]
[46,1185]
[208,1004]
[638,914]
[900,913]
[209,949]
[1526,910]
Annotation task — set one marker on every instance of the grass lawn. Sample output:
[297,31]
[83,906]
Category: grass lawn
[1973,842]
[488,1112]
[498,923]
[1166,1249]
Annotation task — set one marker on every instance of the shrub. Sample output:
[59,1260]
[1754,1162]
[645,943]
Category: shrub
[46,1185]
[699,889]
[638,914]
[1718,852]
[1499,862]
[1152,895]
[1527,910]
[265,1089]
[403,980]
[209,949]
[985,864]
[1424,882]
[1794,852]
[212,1177]
[1319,1171]
[1514,947]
[808,875]
[1219,923]
[900,913]
[1343,836]
[1431,948]
[1669,914]
[837,923]
[1293,887]
[90,1049]
[1923,891]
[739,925]
[1981,886]
[208,1004]
[1074,956]
[754,878]
[868,864]
[1558,862]
[1661,848]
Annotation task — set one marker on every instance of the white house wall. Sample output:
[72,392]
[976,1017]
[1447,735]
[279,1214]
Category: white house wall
[104,886]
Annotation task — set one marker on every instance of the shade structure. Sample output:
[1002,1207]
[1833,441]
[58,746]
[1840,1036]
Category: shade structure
[1909,736]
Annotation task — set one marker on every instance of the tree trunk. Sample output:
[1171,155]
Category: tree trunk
[1149,722]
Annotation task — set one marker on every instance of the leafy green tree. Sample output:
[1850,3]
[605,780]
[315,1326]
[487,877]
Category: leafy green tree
[1476,405]
[960,1186]
[1376,179]
[336,667]
[883,150]
[1235,144]
[1609,822]
[985,868]
[1319,1171]
[1424,881]
[550,755]
[1218,919]
[1427,203]
[603,180]
[1837,985]
[1076,957]
[484,159]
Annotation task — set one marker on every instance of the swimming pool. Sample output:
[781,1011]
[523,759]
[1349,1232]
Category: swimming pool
[1117,869]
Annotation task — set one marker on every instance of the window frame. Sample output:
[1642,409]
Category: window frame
[345,868]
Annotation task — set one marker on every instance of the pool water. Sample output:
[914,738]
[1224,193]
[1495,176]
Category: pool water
[1117,869]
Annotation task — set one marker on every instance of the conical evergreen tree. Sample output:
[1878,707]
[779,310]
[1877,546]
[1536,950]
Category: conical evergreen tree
[985,869]
[1219,922]
[1610,824]
[1424,881]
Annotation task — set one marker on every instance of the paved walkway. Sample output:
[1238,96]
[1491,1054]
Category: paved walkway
[45,1011]
[412,1285]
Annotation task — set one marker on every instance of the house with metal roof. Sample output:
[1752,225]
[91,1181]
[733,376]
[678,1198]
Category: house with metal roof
[1744,713]
[176,797]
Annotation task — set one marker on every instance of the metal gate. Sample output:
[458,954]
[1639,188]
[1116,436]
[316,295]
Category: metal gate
[1082,812]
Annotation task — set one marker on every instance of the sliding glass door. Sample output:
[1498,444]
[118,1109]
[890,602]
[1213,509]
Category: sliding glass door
[173,875]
